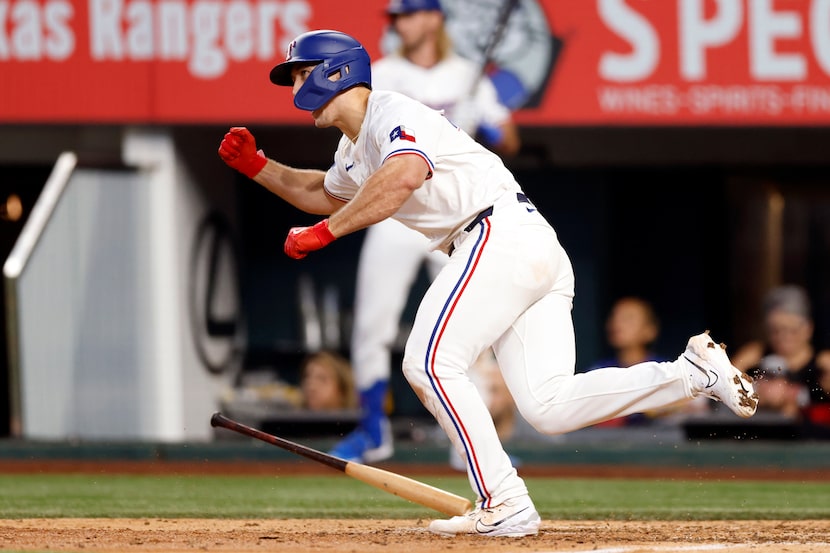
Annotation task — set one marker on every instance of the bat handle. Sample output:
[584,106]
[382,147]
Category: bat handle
[218,419]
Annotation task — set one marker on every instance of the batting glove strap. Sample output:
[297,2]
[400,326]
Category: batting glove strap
[252,166]
[321,230]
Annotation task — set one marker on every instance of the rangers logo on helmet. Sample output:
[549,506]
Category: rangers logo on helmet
[290,49]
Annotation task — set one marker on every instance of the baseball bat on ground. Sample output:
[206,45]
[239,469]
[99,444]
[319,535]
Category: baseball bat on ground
[412,490]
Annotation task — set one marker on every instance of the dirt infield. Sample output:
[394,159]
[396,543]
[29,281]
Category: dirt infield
[410,536]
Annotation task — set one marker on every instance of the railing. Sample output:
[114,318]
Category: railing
[15,265]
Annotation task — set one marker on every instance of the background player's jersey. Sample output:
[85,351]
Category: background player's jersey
[465,177]
[444,86]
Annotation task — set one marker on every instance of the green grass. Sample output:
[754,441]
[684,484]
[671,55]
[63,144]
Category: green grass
[338,496]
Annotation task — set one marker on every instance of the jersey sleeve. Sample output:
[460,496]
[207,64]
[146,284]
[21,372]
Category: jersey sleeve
[337,182]
[409,128]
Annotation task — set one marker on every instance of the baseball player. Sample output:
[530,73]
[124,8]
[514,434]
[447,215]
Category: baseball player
[425,68]
[508,283]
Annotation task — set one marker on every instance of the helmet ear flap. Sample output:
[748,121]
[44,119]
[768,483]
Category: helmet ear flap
[317,90]
[320,86]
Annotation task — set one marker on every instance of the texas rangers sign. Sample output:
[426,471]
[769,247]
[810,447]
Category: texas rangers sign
[560,62]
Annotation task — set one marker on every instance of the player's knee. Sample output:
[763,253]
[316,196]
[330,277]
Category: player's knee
[546,422]
[414,373]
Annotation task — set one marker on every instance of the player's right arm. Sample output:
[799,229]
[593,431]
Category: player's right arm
[302,188]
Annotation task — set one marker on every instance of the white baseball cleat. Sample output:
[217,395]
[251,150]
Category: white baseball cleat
[720,379]
[513,518]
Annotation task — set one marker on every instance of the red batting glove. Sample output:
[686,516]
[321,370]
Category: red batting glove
[238,150]
[302,240]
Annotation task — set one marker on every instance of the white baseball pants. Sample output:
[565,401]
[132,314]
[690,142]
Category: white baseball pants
[510,284]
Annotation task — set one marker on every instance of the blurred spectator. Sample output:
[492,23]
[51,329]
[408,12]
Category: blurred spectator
[631,329]
[327,383]
[792,378]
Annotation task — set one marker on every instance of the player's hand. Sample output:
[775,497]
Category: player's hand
[238,150]
[302,240]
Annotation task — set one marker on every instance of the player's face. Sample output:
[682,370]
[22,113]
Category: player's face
[417,28]
[300,74]
[340,108]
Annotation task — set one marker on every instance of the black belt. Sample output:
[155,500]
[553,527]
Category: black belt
[520,197]
[479,218]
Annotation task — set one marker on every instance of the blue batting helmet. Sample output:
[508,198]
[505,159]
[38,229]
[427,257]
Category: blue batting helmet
[397,7]
[334,53]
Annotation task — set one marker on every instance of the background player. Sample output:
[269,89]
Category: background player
[426,68]
[508,283]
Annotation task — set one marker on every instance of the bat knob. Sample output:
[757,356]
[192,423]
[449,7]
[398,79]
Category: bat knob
[214,419]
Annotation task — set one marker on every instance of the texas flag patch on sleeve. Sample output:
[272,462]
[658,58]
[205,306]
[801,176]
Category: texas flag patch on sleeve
[401,132]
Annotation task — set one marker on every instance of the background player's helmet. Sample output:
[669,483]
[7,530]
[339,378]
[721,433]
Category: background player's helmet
[408,6]
[334,53]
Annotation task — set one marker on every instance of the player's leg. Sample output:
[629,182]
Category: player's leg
[436,361]
[537,358]
[490,279]
[480,374]
[487,283]
[389,262]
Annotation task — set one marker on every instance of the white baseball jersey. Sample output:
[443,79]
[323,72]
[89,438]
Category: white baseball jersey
[465,178]
[444,86]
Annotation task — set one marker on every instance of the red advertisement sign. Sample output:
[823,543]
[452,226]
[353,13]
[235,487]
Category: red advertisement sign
[158,61]
[691,62]
[565,62]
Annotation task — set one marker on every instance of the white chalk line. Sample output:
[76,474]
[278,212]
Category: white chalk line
[705,547]
[709,547]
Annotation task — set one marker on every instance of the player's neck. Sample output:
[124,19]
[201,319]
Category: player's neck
[352,111]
